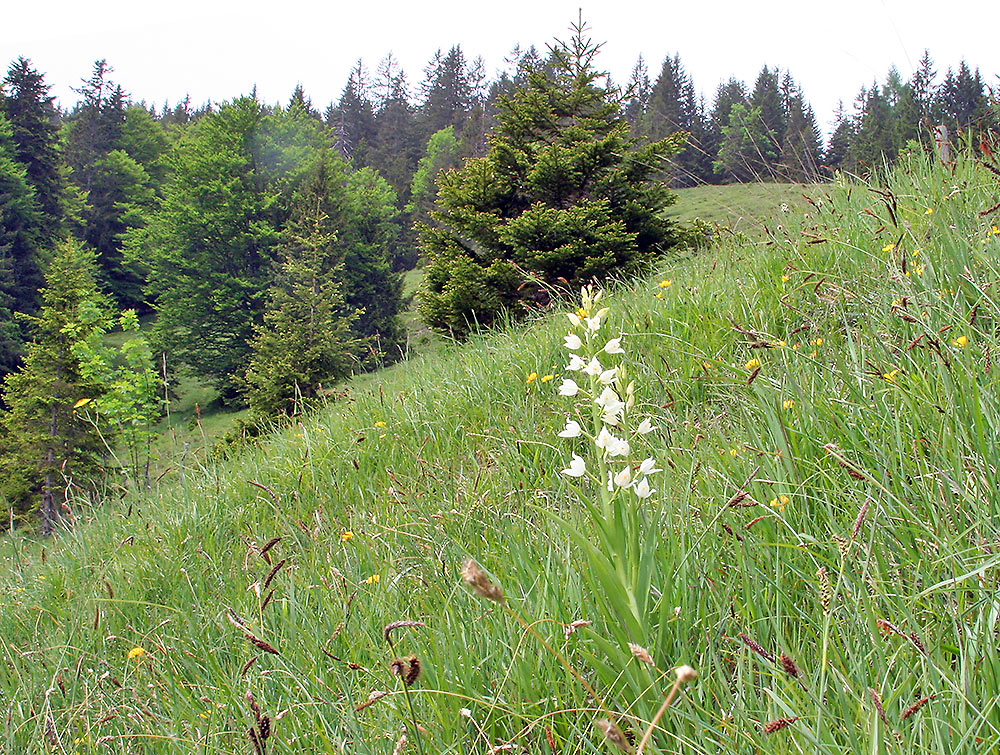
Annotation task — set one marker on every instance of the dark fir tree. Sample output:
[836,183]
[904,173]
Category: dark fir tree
[446,92]
[25,99]
[802,143]
[305,339]
[561,194]
[730,93]
[767,108]
[840,140]
[20,249]
[353,119]
[637,97]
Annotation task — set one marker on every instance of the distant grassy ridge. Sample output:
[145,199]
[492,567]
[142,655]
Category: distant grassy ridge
[829,430]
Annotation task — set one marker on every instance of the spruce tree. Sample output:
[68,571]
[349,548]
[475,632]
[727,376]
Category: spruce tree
[305,339]
[47,451]
[562,194]
[25,99]
[20,245]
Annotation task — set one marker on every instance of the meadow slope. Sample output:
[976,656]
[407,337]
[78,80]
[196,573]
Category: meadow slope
[824,532]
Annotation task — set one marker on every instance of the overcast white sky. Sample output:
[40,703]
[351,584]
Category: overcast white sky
[217,50]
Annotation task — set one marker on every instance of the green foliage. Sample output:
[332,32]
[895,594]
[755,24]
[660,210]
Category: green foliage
[561,194]
[20,274]
[306,338]
[128,404]
[210,242]
[442,154]
[49,453]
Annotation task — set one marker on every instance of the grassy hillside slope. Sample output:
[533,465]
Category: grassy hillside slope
[824,531]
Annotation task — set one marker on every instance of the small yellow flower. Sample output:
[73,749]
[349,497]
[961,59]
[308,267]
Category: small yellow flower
[817,342]
[916,252]
[890,376]
[785,279]
[795,347]
[734,452]
[205,715]
[960,342]
[707,365]
[996,230]
[666,283]
[81,402]
[581,313]
[547,378]
[919,269]
[780,343]
[136,653]
[888,247]
[780,502]
[346,537]
[659,295]
[380,423]
[372,580]
[532,378]
[929,211]
[787,404]
[753,364]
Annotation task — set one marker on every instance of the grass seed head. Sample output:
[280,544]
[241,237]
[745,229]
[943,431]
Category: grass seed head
[778,724]
[641,654]
[479,582]
[789,666]
[613,735]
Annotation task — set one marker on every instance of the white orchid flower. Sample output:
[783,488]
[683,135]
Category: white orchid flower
[573,341]
[624,478]
[617,447]
[607,398]
[612,417]
[568,388]
[594,323]
[603,438]
[576,363]
[594,368]
[572,430]
[645,427]
[648,466]
[577,467]
[614,346]
[574,318]
[608,376]
[642,489]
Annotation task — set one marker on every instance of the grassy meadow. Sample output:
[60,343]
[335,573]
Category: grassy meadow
[820,543]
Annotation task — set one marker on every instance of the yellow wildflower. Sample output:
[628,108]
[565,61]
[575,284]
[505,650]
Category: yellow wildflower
[753,364]
[888,247]
[890,376]
[659,295]
[136,653]
[787,404]
[380,423]
[780,343]
[734,452]
[666,283]
[785,279]
[996,230]
[919,270]
[780,502]
[960,342]
[929,211]
[346,536]
[81,402]
[795,347]
[532,378]
[372,580]
[817,342]
[547,378]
